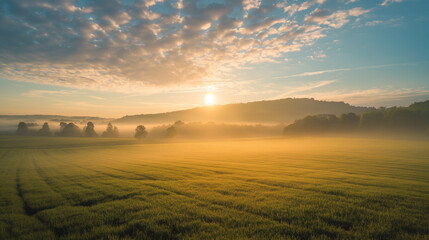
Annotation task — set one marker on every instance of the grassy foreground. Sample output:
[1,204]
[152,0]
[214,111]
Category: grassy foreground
[303,188]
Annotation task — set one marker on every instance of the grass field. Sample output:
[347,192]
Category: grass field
[301,188]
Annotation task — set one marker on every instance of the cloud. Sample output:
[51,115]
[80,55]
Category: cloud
[317,55]
[373,23]
[306,74]
[335,19]
[140,44]
[388,2]
[304,88]
[393,22]
[249,4]
[370,97]
[44,93]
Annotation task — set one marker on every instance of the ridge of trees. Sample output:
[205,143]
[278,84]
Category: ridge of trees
[414,118]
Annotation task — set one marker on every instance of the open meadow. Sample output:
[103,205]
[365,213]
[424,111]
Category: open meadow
[266,188]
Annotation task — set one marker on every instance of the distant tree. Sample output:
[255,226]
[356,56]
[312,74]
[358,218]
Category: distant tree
[70,130]
[111,131]
[45,131]
[178,123]
[422,107]
[62,126]
[115,132]
[140,132]
[22,129]
[405,119]
[171,132]
[414,118]
[372,120]
[313,124]
[349,120]
[89,130]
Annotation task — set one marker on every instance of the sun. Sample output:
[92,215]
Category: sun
[209,99]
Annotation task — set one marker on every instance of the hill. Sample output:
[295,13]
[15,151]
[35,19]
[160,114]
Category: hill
[273,111]
[52,118]
[412,119]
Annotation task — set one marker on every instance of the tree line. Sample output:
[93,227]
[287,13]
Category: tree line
[66,130]
[72,130]
[414,118]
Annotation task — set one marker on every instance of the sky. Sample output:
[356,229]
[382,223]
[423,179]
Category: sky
[116,58]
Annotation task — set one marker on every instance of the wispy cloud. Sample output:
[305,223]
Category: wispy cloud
[305,74]
[314,73]
[387,2]
[369,97]
[44,93]
[307,87]
[393,22]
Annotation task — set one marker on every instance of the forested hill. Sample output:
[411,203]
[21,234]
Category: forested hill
[273,111]
[411,119]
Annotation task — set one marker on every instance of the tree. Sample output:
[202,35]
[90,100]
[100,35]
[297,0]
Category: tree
[45,131]
[372,120]
[111,131]
[22,129]
[70,130]
[171,132]
[140,132]
[349,120]
[115,132]
[313,124]
[62,126]
[89,130]
[179,123]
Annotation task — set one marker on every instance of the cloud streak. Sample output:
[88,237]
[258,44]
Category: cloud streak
[306,74]
[304,88]
[370,97]
[388,2]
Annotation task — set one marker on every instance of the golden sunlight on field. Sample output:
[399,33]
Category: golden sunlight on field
[300,188]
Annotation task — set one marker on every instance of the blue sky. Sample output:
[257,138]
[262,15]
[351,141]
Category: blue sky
[129,57]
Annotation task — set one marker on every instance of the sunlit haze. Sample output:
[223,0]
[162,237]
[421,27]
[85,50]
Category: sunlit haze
[209,99]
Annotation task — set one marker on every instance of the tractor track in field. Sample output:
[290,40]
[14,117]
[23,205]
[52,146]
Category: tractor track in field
[27,210]
[45,179]
[73,180]
[145,177]
[190,196]
[137,174]
[254,181]
[218,204]
[266,216]
[106,197]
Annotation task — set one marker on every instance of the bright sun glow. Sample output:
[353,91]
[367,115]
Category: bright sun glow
[209,99]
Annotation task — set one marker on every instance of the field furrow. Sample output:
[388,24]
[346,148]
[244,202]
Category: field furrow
[272,189]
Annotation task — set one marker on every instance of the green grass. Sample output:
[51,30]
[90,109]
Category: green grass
[302,188]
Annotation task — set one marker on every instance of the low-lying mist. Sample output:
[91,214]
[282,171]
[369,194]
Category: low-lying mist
[158,131]
[394,121]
